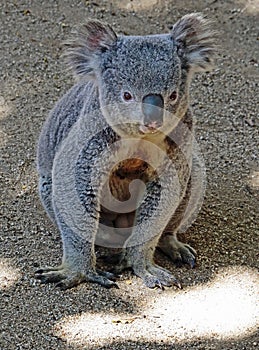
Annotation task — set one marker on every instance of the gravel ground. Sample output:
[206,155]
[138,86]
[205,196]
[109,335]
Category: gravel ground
[218,306]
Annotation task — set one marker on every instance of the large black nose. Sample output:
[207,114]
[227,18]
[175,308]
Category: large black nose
[152,108]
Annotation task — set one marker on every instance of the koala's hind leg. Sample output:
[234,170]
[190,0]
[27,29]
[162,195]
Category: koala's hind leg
[178,251]
[184,216]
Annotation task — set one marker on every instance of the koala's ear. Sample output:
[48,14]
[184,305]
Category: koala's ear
[84,48]
[195,42]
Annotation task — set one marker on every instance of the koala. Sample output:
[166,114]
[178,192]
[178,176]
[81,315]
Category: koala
[117,161]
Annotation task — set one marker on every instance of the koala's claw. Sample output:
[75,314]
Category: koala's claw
[65,279]
[156,276]
[164,276]
[186,255]
[50,274]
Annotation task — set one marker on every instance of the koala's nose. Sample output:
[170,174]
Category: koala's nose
[152,108]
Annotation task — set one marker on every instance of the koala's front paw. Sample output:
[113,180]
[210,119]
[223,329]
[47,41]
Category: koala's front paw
[179,252]
[66,278]
[156,276]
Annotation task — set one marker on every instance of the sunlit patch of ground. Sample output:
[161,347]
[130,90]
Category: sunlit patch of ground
[8,274]
[251,6]
[254,179]
[136,5]
[226,307]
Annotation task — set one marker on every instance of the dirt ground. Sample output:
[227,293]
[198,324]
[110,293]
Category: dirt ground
[218,306]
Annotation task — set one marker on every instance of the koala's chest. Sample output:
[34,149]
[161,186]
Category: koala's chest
[126,185]
[124,174]
[132,168]
[144,162]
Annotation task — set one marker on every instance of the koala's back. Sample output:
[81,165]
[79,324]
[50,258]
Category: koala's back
[59,122]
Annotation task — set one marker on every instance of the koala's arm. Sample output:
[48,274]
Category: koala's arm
[160,200]
[78,175]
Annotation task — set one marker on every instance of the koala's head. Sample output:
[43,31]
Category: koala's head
[142,81]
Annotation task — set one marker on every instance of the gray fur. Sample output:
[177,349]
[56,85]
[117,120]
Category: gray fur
[90,129]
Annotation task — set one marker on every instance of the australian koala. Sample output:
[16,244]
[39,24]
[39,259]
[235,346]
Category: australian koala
[124,134]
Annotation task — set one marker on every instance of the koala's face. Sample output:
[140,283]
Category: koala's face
[143,81]
[141,84]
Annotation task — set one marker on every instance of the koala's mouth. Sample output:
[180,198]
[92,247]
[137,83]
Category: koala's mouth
[151,128]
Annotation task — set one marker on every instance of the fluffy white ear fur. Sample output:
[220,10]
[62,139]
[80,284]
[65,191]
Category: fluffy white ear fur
[81,51]
[195,41]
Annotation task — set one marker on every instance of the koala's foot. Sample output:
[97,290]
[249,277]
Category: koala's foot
[141,262]
[179,252]
[66,278]
[156,276]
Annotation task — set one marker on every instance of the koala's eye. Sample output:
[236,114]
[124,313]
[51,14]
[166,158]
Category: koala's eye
[173,96]
[127,96]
